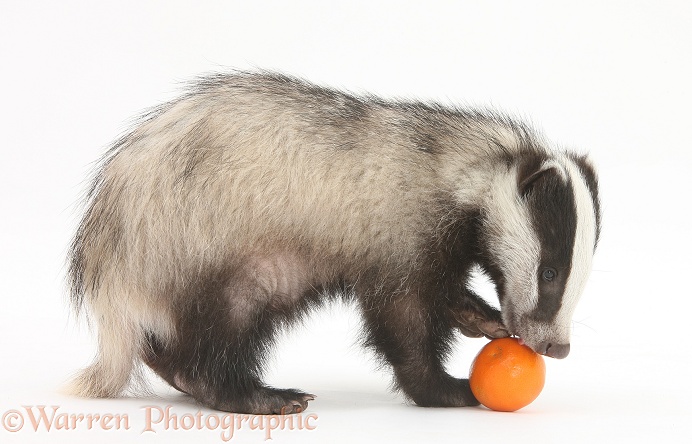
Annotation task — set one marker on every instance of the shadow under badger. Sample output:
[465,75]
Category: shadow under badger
[231,212]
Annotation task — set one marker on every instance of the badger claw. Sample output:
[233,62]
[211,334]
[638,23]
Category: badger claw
[475,324]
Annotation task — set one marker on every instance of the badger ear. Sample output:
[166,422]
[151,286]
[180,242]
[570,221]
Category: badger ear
[531,171]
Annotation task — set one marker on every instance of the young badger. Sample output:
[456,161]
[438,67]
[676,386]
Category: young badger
[231,212]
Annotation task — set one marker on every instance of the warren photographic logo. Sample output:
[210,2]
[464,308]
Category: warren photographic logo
[54,419]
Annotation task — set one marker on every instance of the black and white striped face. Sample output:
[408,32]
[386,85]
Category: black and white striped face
[542,231]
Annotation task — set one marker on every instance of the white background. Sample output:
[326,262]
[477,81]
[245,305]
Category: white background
[608,77]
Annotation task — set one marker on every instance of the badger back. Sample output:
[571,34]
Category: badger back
[254,163]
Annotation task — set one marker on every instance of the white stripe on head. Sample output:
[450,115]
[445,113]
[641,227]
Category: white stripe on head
[513,243]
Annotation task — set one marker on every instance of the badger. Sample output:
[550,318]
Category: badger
[231,212]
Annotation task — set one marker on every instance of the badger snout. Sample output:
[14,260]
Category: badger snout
[550,339]
[548,348]
[553,350]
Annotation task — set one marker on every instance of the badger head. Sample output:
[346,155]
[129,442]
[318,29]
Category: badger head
[541,227]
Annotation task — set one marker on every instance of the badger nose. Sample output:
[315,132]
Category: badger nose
[553,350]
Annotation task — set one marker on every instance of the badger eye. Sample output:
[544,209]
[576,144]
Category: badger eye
[548,274]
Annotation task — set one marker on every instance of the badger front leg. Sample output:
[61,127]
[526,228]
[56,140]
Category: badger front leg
[413,330]
[475,318]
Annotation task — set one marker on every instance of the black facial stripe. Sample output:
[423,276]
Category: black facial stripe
[553,211]
[591,180]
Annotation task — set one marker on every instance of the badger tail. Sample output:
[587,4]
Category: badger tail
[116,365]
[97,293]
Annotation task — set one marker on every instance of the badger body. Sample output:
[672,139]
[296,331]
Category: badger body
[234,210]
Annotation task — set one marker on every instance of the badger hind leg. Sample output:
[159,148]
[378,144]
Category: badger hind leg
[223,331]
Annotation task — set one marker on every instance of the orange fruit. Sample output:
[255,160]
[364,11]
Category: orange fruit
[506,375]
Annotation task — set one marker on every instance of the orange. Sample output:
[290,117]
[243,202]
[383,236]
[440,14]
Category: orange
[507,375]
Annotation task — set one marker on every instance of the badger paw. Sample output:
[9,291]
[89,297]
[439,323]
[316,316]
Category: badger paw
[476,322]
[269,401]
